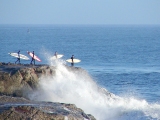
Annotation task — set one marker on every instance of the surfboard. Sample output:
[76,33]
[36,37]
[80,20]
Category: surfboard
[58,56]
[35,57]
[74,60]
[21,56]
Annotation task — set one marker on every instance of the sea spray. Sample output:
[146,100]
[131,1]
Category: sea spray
[76,86]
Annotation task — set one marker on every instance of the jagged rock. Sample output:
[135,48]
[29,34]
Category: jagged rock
[18,81]
[15,108]
[14,79]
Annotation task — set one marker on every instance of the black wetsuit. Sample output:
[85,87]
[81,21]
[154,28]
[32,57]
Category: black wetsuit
[72,64]
[33,60]
[18,59]
[55,54]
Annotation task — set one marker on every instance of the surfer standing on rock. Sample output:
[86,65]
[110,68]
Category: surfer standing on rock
[18,59]
[33,60]
[72,63]
[55,54]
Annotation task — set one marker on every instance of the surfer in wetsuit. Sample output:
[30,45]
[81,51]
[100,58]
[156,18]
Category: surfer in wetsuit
[55,54]
[33,60]
[72,64]
[18,59]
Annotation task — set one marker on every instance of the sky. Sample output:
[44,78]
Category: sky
[79,11]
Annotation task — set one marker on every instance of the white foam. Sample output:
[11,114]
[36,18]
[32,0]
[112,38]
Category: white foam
[80,89]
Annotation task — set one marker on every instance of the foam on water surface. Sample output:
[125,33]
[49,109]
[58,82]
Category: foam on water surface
[79,88]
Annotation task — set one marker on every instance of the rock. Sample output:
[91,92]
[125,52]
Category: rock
[14,79]
[17,81]
[15,108]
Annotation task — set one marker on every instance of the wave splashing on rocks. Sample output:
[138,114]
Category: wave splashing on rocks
[74,85]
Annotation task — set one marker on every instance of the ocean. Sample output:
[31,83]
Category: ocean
[120,59]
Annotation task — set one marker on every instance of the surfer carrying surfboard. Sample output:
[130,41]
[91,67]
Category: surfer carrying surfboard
[33,60]
[72,60]
[18,59]
[72,63]
[55,54]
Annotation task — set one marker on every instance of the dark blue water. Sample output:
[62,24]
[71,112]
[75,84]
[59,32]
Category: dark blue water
[122,59]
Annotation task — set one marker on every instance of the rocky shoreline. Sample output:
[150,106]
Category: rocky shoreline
[17,81]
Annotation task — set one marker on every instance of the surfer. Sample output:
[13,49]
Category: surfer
[33,60]
[72,63]
[18,59]
[55,54]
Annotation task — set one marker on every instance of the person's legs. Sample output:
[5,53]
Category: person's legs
[34,61]
[19,60]
[31,61]
[72,64]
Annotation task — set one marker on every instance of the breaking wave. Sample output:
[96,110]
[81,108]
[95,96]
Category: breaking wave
[77,87]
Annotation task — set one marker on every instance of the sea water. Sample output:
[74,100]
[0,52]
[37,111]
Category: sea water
[120,60]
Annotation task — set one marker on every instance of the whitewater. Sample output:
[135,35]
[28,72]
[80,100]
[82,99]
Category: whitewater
[79,88]
[120,80]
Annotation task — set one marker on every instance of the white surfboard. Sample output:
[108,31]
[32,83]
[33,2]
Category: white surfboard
[21,56]
[56,57]
[74,60]
[35,57]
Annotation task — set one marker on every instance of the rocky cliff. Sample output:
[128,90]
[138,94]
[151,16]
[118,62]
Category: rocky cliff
[16,81]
